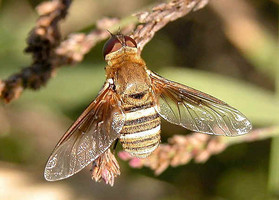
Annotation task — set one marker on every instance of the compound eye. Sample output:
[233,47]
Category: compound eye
[130,42]
[112,45]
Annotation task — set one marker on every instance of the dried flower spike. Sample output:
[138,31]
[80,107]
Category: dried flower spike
[105,168]
[179,151]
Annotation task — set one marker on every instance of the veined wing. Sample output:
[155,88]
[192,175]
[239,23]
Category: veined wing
[91,135]
[196,110]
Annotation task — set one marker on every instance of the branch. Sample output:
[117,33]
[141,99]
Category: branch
[197,146]
[43,38]
[49,54]
[160,16]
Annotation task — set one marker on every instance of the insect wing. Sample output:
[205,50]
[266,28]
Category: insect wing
[91,135]
[196,110]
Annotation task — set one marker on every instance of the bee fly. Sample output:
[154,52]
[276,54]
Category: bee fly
[129,107]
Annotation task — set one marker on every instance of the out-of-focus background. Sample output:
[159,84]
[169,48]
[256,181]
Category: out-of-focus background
[227,49]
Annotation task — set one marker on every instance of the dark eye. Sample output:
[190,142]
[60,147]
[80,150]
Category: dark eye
[130,42]
[112,45]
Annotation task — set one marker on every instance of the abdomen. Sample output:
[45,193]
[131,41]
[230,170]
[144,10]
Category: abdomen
[140,135]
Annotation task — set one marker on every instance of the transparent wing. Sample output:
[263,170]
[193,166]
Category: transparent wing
[91,135]
[196,110]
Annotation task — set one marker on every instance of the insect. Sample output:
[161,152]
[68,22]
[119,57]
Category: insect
[129,107]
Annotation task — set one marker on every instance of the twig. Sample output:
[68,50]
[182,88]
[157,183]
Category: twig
[161,15]
[44,37]
[48,55]
[197,146]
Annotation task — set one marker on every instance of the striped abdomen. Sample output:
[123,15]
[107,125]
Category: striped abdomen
[140,135]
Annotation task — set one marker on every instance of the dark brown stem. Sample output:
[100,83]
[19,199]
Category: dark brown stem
[42,41]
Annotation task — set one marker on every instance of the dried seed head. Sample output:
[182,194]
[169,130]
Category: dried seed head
[105,168]
[179,151]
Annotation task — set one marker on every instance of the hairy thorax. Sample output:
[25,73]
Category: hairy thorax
[130,77]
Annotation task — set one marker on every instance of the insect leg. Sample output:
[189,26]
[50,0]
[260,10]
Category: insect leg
[114,145]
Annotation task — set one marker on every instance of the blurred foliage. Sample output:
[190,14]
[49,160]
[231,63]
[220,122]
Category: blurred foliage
[194,50]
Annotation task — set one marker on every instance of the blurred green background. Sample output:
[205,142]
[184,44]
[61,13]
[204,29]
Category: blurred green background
[227,49]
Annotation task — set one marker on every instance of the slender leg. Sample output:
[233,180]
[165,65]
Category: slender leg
[114,146]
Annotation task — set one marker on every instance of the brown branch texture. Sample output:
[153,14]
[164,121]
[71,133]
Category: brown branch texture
[43,38]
